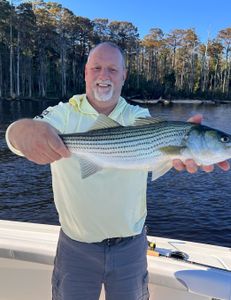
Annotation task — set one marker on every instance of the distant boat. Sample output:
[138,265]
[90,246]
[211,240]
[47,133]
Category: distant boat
[178,270]
[166,101]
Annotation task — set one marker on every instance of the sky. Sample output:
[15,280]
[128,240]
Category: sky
[207,17]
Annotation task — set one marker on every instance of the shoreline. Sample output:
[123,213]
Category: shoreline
[135,101]
[178,101]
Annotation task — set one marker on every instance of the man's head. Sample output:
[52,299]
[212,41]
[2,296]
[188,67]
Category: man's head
[105,73]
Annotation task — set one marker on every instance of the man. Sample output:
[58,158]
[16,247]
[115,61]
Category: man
[102,239]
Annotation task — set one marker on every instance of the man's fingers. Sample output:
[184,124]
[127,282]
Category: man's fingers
[196,119]
[191,166]
[52,151]
[224,165]
[178,164]
[56,144]
[207,169]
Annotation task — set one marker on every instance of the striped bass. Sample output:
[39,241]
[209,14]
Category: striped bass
[150,145]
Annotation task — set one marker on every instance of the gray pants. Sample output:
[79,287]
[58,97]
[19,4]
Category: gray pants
[81,269]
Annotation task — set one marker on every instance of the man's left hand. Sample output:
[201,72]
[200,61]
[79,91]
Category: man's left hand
[190,165]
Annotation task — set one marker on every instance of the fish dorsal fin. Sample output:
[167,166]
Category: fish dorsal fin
[103,122]
[147,120]
[88,168]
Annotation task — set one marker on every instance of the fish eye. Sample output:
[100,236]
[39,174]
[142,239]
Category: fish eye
[225,139]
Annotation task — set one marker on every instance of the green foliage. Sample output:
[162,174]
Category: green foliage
[47,47]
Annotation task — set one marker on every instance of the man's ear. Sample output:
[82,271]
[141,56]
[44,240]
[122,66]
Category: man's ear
[125,75]
[85,70]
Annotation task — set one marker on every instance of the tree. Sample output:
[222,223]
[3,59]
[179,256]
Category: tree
[101,31]
[225,37]
[153,43]
[125,34]
[26,34]
[5,21]
[174,40]
[44,48]
[214,51]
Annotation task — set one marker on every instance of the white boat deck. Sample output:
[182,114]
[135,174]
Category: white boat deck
[27,253]
[215,256]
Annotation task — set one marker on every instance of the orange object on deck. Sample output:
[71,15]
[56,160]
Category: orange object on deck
[153,253]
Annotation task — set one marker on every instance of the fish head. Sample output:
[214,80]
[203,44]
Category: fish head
[208,145]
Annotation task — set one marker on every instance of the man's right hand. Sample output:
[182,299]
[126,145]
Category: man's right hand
[37,141]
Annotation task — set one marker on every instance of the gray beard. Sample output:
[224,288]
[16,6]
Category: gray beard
[102,96]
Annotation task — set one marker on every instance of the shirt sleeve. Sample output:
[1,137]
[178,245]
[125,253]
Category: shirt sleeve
[55,116]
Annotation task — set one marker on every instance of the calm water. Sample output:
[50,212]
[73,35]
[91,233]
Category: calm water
[180,205]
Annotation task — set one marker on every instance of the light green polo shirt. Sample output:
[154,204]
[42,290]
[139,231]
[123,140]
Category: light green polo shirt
[110,203]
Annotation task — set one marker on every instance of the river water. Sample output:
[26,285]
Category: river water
[193,207]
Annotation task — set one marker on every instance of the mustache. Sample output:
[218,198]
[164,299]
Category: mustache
[107,82]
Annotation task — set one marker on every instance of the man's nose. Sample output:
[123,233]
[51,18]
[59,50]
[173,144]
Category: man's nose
[104,73]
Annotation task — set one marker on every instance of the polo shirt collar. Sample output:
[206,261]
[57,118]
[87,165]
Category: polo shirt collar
[81,104]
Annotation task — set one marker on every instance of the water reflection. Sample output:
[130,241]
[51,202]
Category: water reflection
[217,116]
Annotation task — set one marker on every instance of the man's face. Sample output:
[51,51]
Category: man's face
[104,74]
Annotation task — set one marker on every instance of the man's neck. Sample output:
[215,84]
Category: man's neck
[103,107]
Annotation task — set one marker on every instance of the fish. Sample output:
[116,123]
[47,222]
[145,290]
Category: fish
[150,144]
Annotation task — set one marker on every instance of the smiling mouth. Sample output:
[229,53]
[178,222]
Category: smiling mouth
[103,85]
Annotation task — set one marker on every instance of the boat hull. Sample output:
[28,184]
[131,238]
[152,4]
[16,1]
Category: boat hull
[27,253]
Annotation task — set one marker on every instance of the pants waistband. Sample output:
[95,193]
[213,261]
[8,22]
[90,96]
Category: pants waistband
[117,240]
[106,242]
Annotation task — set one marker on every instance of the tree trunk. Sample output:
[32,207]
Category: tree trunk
[74,74]
[182,77]
[228,77]
[138,68]
[192,75]
[204,73]
[30,78]
[42,77]
[63,72]
[18,66]
[11,61]
[225,72]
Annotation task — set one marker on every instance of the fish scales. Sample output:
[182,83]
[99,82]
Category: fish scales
[90,139]
[120,141]
[155,135]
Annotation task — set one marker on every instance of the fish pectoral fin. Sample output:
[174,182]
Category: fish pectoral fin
[103,122]
[172,150]
[160,169]
[88,168]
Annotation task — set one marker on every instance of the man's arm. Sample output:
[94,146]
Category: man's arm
[190,164]
[37,141]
